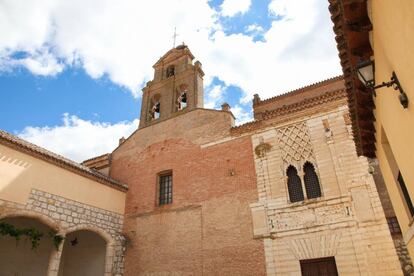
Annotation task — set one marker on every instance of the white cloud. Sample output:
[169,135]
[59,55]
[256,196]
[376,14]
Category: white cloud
[298,50]
[214,96]
[254,28]
[233,7]
[123,40]
[241,115]
[79,139]
[120,39]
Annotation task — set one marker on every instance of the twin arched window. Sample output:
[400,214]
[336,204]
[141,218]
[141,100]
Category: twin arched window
[294,183]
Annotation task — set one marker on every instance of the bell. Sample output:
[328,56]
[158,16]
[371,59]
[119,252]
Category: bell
[157,107]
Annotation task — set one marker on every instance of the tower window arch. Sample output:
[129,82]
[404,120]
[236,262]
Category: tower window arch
[170,71]
[294,185]
[155,110]
[155,107]
[182,98]
[312,186]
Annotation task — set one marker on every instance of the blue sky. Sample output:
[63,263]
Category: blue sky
[71,73]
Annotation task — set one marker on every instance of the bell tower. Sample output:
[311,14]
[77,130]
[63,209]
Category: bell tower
[177,87]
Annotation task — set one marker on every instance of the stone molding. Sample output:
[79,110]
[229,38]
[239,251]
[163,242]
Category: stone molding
[296,91]
[317,213]
[315,246]
[277,116]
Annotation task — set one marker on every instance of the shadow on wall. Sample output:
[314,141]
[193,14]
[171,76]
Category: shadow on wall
[10,169]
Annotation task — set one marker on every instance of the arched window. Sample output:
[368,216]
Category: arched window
[182,100]
[155,110]
[182,96]
[313,189]
[294,185]
[154,107]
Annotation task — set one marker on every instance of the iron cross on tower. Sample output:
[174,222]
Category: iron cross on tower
[175,36]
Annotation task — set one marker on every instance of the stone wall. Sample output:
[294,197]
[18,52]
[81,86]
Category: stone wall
[68,216]
[346,222]
[403,255]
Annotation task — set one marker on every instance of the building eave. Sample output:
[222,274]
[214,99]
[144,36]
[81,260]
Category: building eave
[351,27]
[291,111]
[23,146]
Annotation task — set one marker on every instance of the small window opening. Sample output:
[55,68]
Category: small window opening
[405,193]
[165,189]
[170,71]
[294,185]
[313,189]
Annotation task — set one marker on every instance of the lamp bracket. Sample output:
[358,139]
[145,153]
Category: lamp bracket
[394,83]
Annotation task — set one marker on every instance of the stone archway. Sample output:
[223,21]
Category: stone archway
[19,258]
[86,251]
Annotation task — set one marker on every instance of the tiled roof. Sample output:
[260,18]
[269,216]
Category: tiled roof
[19,144]
[283,112]
[299,90]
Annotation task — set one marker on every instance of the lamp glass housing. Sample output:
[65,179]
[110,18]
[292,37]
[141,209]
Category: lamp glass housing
[365,72]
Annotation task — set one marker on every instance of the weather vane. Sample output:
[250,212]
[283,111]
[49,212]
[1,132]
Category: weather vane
[175,36]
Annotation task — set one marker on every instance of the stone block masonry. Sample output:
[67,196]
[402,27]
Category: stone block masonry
[346,222]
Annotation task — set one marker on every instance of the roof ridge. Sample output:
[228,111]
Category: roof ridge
[95,157]
[297,90]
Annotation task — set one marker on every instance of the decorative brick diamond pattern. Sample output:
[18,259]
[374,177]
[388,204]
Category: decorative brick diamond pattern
[295,143]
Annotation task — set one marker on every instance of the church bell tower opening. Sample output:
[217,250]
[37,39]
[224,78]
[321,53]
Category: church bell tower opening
[177,87]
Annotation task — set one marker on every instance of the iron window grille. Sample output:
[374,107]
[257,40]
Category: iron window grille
[165,189]
[294,185]
[313,189]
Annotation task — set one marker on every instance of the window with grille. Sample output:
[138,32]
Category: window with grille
[294,185]
[165,189]
[313,189]
[405,193]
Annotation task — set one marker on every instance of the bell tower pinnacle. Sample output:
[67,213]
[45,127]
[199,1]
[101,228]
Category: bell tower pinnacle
[177,87]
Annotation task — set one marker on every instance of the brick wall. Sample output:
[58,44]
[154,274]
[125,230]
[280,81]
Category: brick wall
[208,227]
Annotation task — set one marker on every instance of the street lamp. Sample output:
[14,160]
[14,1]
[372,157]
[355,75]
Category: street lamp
[365,73]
